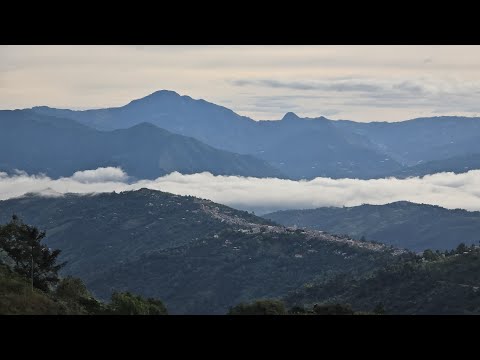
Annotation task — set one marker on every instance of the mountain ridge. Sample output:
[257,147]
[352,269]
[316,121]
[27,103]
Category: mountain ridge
[322,147]
[404,224]
[64,146]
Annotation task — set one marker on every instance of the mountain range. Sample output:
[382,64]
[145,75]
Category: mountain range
[402,224]
[58,147]
[300,147]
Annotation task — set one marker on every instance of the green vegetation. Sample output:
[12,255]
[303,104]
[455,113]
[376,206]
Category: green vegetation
[435,283]
[254,269]
[22,244]
[278,307]
[259,307]
[401,224]
[130,304]
[199,257]
[37,289]
[213,273]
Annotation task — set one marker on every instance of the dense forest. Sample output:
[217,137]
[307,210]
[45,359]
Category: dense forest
[431,283]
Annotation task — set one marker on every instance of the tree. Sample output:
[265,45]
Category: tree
[332,309]
[379,309]
[72,288]
[297,310]
[259,307]
[74,292]
[429,255]
[22,244]
[461,248]
[127,303]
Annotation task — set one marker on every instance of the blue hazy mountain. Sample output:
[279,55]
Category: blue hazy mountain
[423,139]
[58,147]
[300,148]
[403,224]
[457,164]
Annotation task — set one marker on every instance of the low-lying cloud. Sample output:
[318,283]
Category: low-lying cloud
[103,174]
[448,190]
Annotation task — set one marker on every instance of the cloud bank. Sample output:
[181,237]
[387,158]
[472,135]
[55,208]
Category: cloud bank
[448,190]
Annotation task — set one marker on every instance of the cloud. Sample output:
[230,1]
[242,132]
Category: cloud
[448,190]
[103,174]
[337,85]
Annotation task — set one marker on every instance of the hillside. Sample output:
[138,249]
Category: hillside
[59,147]
[438,285]
[196,255]
[16,297]
[402,224]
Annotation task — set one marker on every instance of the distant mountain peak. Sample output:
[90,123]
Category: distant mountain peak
[290,116]
[164,93]
[160,94]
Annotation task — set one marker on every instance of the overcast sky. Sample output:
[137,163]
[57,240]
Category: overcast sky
[362,83]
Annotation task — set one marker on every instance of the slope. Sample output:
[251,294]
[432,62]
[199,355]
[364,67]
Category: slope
[442,285]
[403,224]
[197,256]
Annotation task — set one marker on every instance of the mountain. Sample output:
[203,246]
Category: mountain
[207,122]
[309,148]
[300,148]
[440,284]
[422,139]
[458,164]
[58,147]
[195,255]
[402,224]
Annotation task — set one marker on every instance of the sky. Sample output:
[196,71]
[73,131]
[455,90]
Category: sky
[448,190]
[361,83]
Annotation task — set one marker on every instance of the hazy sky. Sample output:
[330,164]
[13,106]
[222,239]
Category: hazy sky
[362,83]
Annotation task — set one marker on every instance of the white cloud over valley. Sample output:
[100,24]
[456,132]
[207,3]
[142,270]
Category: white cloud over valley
[448,190]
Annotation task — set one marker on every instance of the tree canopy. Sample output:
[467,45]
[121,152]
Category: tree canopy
[22,243]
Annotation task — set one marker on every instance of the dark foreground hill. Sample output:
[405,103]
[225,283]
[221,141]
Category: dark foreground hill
[403,224]
[432,284]
[195,255]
